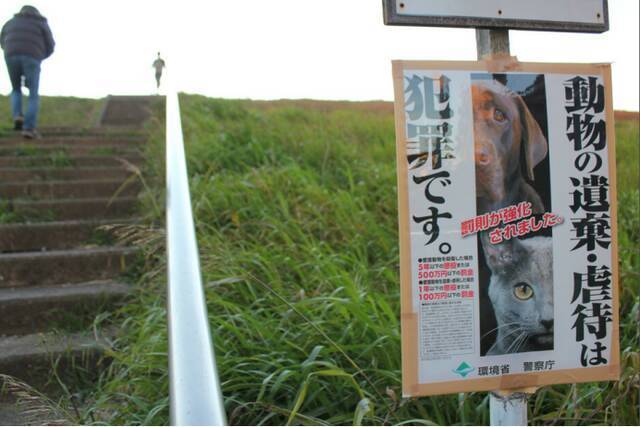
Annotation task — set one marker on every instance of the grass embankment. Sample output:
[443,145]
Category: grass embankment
[297,226]
[55,111]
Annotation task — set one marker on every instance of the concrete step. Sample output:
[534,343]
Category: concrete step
[10,414]
[27,310]
[66,131]
[72,174]
[31,358]
[64,266]
[69,189]
[39,149]
[72,141]
[55,235]
[127,111]
[65,160]
[70,209]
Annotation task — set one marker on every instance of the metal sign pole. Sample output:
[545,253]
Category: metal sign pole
[491,42]
[506,408]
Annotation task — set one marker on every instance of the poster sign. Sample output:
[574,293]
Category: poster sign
[542,15]
[507,215]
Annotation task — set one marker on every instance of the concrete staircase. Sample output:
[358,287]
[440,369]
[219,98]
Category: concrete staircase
[59,265]
[126,111]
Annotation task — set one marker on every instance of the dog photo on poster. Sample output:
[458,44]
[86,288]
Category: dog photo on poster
[506,198]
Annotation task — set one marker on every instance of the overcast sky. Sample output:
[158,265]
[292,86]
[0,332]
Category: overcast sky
[269,49]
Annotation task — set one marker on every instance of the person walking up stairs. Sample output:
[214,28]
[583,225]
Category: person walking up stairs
[26,40]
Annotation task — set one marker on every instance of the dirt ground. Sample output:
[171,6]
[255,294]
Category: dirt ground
[375,106]
[626,115]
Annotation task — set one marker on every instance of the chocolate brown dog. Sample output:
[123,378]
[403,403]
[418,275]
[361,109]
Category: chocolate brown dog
[505,134]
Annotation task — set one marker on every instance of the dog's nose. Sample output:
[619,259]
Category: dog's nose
[548,324]
[482,156]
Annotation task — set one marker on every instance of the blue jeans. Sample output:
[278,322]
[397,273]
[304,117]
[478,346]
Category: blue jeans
[18,66]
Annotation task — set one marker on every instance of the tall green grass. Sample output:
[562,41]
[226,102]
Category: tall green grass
[297,225]
[56,111]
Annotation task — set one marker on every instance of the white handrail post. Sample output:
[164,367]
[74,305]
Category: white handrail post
[195,396]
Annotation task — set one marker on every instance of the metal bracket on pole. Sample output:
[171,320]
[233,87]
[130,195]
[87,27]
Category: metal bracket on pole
[509,409]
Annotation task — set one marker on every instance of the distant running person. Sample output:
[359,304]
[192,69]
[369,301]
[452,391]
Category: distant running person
[158,64]
[26,40]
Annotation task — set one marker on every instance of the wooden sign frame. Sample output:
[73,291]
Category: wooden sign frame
[410,327]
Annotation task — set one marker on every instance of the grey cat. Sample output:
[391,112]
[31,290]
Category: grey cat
[521,292]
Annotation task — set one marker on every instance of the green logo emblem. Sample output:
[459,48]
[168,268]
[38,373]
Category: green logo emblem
[463,370]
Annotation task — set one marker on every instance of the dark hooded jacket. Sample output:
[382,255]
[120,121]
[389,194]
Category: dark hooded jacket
[27,33]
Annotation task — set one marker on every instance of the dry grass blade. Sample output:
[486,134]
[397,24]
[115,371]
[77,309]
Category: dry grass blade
[34,407]
[152,238]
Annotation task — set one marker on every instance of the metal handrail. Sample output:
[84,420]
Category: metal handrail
[194,388]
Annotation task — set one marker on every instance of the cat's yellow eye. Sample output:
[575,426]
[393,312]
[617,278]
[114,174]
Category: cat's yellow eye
[523,291]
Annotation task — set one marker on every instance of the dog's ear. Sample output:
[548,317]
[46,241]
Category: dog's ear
[534,143]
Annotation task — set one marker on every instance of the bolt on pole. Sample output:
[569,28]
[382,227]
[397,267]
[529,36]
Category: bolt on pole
[505,408]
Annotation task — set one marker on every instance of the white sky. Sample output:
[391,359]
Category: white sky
[269,49]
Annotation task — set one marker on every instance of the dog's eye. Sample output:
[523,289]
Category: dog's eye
[499,116]
[523,291]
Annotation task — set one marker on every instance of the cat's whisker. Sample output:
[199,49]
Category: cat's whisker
[512,342]
[515,330]
[522,342]
[522,339]
[515,342]
[504,337]
[499,327]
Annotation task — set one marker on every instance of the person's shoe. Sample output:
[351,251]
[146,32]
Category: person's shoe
[17,123]
[31,134]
